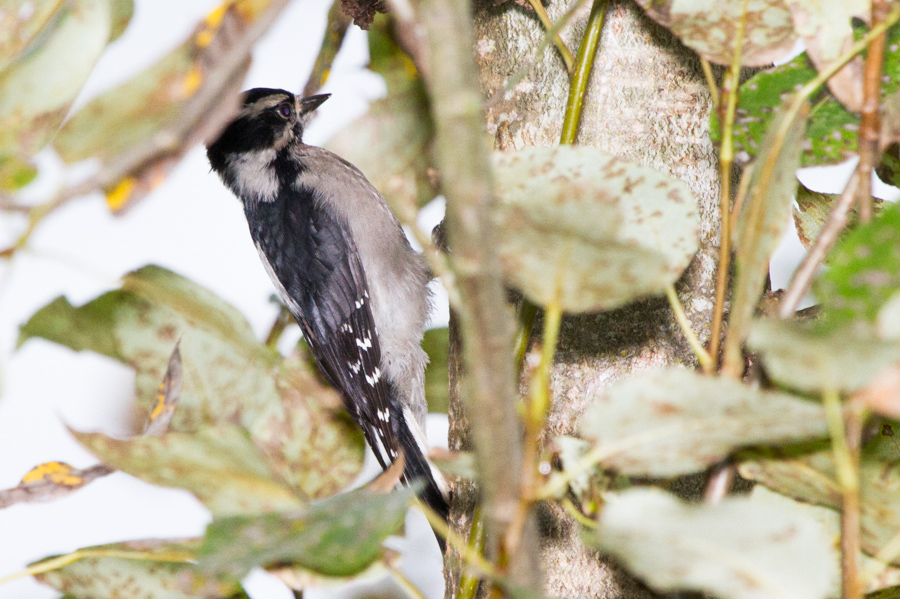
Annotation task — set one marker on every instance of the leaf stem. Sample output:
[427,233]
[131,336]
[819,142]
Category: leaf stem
[470,555]
[731,92]
[845,433]
[703,357]
[710,82]
[62,561]
[557,38]
[468,584]
[583,67]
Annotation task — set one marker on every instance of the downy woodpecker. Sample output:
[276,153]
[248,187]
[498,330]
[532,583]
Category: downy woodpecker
[343,267]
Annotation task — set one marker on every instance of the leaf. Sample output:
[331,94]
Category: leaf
[811,212]
[589,230]
[311,443]
[811,478]
[219,465]
[436,344]
[865,271]
[15,174]
[763,218]
[121,12]
[226,370]
[710,28]
[21,22]
[40,82]
[810,359]
[826,31]
[740,549]
[141,129]
[112,571]
[828,521]
[49,481]
[339,536]
[831,136]
[672,422]
[228,376]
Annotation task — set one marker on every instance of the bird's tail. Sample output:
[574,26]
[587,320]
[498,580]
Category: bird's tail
[415,449]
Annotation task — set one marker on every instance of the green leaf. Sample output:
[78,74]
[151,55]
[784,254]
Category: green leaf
[311,443]
[710,28]
[339,536]
[812,478]
[219,465]
[811,212]
[763,218]
[740,548]
[436,344]
[831,135]
[673,422]
[22,23]
[228,376]
[589,230]
[43,77]
[865,271]
[812,359]
[15,173]
[121,13]
[142,569]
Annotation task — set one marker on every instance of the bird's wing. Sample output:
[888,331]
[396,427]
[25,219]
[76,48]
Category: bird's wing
[316,268]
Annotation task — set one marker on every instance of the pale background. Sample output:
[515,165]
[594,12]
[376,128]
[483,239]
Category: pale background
[193,226]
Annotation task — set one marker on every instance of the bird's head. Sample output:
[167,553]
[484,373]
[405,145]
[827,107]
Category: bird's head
[268,119]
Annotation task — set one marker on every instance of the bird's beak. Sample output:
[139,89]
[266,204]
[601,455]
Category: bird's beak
[307,105]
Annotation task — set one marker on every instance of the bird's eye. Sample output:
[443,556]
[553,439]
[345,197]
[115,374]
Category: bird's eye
[285,110]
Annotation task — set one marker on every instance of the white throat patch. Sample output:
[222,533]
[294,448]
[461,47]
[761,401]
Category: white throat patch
[254,175]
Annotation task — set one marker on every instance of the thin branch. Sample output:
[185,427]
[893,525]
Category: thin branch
[544,18]
[804,274]
[486,324]
[468,584]
[731,91]
[702,356]
[335,31]
[845,433]
[718,483]
[870,121]
[203,114]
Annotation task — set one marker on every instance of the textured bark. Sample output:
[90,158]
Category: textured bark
[647,101]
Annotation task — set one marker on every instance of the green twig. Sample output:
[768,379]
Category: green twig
[527,314]
[584,64]
[702,356]
[470,556]
[557,39]
[468,584]
[710,82]
[405,583]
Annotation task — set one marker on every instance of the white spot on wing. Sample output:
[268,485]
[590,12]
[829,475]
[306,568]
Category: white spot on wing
[419,435]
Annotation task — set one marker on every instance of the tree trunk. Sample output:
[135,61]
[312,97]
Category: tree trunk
[647,102]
